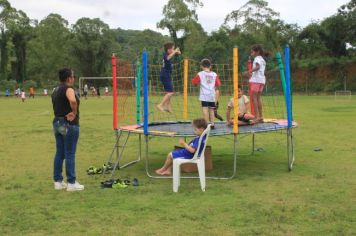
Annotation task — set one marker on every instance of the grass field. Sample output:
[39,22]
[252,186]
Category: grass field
[317,198]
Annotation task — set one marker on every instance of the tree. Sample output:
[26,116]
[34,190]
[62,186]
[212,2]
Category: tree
[335,36]
[252,17]
[92,46]
[20,31]
[49,49]
[6,12]
[180,19]
[348,11]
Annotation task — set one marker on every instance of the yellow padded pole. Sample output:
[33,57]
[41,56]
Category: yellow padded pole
[236,91]
[185,90]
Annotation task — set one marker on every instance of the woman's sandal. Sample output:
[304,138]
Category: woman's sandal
[107,183]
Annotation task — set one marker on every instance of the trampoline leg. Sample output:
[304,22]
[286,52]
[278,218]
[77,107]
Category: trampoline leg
[290,149]
[253,143]
[115,148]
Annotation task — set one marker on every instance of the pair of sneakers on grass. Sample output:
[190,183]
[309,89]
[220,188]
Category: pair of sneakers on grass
[70,187]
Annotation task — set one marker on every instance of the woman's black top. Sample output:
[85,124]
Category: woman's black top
[61,106]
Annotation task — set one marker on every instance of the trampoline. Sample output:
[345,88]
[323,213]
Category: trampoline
[134,115]
[184,129]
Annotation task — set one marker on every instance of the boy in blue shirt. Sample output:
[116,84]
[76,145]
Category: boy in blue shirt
[199,125]
[165,76]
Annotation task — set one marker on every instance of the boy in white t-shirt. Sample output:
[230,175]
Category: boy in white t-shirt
[244,116]
[257,80]
[209,82]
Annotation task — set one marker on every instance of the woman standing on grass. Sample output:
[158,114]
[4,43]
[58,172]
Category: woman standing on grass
[66,131]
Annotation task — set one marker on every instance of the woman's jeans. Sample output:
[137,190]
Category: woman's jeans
[66,145]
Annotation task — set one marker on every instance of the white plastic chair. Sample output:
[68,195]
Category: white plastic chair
[199,160]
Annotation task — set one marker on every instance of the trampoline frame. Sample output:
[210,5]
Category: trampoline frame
[119,149]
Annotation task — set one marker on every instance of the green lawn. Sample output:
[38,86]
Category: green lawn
[317,198]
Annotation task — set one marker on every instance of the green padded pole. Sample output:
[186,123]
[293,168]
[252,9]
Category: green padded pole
[138,94]
[282,76]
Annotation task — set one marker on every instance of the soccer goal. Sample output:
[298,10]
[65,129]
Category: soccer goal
[98,85]
[343,94]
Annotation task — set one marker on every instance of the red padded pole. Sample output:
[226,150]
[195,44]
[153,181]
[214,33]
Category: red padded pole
[114,90]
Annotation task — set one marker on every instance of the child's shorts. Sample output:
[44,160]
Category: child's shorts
[208,104]
[182,153]
[167,83]
[242,118]
[257,87]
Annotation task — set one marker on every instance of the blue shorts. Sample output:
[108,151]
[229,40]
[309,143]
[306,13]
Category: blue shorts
[182,153]
[167,83]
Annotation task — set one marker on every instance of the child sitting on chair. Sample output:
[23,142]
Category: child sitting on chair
[199,125]
[244,116]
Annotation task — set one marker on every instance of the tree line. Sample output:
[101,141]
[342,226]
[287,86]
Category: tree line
[31,51]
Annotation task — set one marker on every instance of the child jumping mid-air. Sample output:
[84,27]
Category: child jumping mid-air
[244,116]
[257,80]
[199,125]
[165,76]
[209,82]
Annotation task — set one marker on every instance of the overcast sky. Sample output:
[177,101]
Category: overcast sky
[143,14]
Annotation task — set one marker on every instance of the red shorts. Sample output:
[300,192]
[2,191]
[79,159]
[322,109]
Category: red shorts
[257,87]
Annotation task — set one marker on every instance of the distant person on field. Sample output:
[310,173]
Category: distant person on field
[106,91]
[244,115]
[188,150]
[85,91]
[166,76]
[93,91]
[258,80]
[66,131]
[17,92]
[32,92]
[209,82]
[7,93]
[23,95]
[45,92]
[98,91]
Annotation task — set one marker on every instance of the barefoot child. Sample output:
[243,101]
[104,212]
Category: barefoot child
[258,80]
[209,81]
[199,125]
[165,76]
[244,116]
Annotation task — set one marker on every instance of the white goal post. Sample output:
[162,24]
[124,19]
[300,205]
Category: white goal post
[344,94]
[82,80]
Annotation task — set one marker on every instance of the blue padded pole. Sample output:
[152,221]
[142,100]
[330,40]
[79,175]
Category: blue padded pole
[288,86]
[145,92]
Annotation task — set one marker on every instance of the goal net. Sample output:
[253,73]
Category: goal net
[343,94]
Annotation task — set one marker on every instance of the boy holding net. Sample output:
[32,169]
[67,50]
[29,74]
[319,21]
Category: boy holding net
[209,82]
[165,76]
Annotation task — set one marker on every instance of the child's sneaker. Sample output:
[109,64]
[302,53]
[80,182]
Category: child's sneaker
[60,185]
[75,187]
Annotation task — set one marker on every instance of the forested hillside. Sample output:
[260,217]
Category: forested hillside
[32,50]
